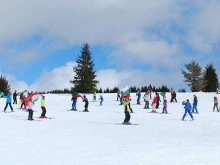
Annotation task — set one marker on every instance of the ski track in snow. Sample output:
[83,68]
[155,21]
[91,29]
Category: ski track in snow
[97,138]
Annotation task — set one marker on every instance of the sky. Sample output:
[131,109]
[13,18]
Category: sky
[132,43]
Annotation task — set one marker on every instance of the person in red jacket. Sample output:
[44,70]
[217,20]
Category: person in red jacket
[154,103]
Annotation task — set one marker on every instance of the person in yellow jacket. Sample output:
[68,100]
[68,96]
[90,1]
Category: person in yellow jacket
[43,107]
[126,111]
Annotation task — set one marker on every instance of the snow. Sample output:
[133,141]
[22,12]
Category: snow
[97,138]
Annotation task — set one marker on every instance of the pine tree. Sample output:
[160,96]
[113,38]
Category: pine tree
[210,79]
[193,78]
[84,80]
[4,85]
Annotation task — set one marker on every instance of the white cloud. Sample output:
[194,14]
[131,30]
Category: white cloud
[58,78]
[112,78]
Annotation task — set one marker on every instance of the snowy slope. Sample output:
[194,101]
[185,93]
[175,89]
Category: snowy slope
[97,138]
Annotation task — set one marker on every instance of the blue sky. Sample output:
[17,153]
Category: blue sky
[141,43]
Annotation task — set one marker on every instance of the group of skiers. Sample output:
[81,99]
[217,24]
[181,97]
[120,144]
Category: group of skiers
[28,104]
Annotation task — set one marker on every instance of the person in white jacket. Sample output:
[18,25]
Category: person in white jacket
[146,99]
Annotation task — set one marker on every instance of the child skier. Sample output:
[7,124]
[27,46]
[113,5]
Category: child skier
[8,102]
[195,102]
[187,109]
[74,99]
[30,104]
[86,104]
[215,104]
[164,105]
[146,99]
[101,99]
[23,101]
[126,111]
[138,97]
[43,107]
[94,96]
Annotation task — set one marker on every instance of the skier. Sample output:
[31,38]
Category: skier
[23,102]
[158,101]
[8,102]
[126,111]
[164,105]
[30,104]
[215,104]
[43,107]
[122,98]
[118,95]
[86,104]
[74,99]
[101,99]
[154,105]
[173,97]
[15,97]
[187,109]
[94,96]
[171,92]
[146,99]
[195,102]
[138,94]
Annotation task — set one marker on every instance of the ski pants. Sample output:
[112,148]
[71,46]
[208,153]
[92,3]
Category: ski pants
[74,105]
[86,106]
[15,101]
[30,115]
[165,109]
[127,116]
[43,111]
[7,106]
[215,105]
[195,107]
[138,101]
[146,104]
[101,102]
[187,111]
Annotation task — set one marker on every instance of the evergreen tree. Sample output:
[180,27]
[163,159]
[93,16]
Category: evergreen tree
[193,78]
[210,79]
[4,85]
[84,81]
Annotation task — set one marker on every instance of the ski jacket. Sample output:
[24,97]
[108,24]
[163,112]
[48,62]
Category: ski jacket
[215,100]
[8,99]
[146,97]
[86,100]
[165,102]
[126,106]
[138,95]
[195,101]
[14,95]
[187,105]
[30,104]
[42,102]
[154,100]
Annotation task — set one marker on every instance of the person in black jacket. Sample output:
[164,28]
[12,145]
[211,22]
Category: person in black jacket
[195,102]
[173,97]
[15,97]
[158,100]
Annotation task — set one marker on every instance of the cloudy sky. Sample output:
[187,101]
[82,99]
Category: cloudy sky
[138,42]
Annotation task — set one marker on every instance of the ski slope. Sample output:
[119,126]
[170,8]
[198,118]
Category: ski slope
[98,138]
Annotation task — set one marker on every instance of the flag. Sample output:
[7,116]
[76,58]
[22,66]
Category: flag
[35,98]
[78,95]
[1,94]
[163,94]
[126,92]
[31,96]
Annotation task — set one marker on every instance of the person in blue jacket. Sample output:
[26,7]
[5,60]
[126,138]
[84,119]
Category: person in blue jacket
[138,97]
[187,109]
[86,104]
[101,99]
[8,102]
